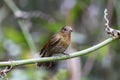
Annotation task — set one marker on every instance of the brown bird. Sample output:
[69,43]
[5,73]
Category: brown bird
[57,44]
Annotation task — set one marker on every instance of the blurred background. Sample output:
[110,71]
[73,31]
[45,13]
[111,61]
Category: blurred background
[23,33]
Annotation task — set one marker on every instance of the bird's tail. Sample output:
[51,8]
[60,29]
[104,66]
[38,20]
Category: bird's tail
[45,64]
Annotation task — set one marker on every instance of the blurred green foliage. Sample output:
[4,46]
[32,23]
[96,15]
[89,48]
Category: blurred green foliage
[14,34]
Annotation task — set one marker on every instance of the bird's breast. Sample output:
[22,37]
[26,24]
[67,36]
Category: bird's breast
[62,45]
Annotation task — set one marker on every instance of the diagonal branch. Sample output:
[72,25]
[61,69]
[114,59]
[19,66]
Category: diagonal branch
[64,57]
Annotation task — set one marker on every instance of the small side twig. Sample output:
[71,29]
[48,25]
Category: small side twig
[112,32]
[3,73]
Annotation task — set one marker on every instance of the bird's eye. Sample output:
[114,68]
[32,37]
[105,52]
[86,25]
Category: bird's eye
[65,29]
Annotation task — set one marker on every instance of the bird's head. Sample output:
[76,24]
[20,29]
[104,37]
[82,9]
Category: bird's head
[66,29]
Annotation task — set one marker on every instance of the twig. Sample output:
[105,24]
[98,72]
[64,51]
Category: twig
[112,32]
[105,17]
[3,73]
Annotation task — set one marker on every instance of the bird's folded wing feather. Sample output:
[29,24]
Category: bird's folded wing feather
[51,43]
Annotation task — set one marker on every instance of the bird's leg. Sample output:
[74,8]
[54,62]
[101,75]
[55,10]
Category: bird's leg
[66,54]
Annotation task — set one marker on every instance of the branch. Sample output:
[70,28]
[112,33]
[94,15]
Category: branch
[64,57]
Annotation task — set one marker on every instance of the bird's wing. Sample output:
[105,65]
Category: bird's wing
[51,43]
[54,40]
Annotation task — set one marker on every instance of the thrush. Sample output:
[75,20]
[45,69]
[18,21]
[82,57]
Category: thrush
[57,44]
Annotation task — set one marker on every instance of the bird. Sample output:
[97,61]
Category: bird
[57,44]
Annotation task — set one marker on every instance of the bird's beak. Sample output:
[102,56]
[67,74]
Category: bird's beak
[70,28]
